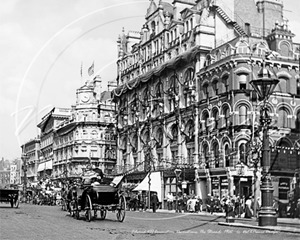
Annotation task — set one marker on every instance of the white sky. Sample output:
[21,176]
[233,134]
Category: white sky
[42,45]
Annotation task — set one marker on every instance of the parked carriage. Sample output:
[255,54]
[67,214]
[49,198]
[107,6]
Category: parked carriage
[100,198]
[11,196]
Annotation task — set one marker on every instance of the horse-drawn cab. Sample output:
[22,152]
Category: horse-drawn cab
[95,193]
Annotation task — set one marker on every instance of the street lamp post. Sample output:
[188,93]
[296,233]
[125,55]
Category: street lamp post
[240,173]
[177,174]
[264,87]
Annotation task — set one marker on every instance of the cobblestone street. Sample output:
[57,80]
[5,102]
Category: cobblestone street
[50,222]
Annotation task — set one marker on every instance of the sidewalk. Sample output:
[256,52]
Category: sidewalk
[254,225]
[293,224]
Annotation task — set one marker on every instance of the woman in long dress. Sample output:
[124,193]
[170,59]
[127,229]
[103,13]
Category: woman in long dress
[248,208]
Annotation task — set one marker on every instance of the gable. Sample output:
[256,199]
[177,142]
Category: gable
[152,9]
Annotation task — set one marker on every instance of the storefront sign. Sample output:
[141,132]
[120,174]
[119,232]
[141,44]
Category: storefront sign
[224,182]
[215,182]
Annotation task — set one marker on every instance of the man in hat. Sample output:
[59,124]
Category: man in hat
[154,201]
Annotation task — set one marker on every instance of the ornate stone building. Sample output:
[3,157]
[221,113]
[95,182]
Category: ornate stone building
[87,136]
[49,122]
[31,159]
[185,101]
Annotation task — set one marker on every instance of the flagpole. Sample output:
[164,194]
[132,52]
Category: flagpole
[81,75]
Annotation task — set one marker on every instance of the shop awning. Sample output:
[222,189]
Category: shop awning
[41,167]
[155,184]
[48,165]
[45,166]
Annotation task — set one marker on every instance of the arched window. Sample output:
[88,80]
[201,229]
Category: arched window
[173,85]
[216,154]
[189,85]
[283,118]
[204,121]
[215,87]
[284,49]
[225,83]
[145,103]
[159,138]
[205,91]
[215,115]
[298,122]
[135,144]
[243,115]
[191,133]
[227,155]
[226,117]
[205,156]
[175,132]
[173,92]
[242,78]
[261,50]
[243,48]
[298,87]
[243,153]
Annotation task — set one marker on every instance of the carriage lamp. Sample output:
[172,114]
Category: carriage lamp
[264,86]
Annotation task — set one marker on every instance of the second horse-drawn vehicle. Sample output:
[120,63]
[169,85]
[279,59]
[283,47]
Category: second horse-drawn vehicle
[11,196]
[94,196]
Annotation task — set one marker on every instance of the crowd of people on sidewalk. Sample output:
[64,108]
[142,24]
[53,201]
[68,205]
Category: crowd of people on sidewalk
[231,206]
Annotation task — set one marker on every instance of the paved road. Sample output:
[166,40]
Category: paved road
[49,222]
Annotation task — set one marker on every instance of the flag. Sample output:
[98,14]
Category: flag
[81,70]
[91,70]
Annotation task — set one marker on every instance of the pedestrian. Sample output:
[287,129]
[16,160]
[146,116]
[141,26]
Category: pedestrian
[229,209]
[238,207]
[298,209]
[184,202]
[154,202]
[276,207]
[292,210]
[216,204]
[248,209]
[170,201]
[209,204]
[199,203]
[180,203]
[258,205]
